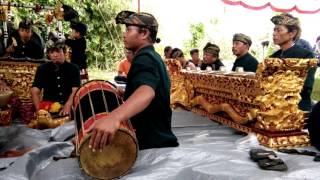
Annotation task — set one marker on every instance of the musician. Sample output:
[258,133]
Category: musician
[147,94]
[25,42]
[58,79]
[211,57]
[195,59]
[240,46]
[178,55]
[286,32]
[77,42]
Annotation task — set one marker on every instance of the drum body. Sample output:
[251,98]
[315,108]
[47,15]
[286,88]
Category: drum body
[91,103]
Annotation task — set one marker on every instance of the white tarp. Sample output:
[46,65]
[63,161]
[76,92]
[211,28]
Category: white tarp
[207,151]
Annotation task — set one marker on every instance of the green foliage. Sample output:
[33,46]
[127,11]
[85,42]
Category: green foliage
[197,35]
[104,37]
[316,90]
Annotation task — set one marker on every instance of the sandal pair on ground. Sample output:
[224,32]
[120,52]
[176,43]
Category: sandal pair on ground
[267,160]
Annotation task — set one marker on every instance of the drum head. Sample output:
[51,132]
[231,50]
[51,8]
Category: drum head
[92,98]
[114,161]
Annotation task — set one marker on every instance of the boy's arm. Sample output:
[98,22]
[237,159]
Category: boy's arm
[35,95]
[67,106]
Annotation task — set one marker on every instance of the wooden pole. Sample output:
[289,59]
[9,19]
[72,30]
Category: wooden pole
[138,6]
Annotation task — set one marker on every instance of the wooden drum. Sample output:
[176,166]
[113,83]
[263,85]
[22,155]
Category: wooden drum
[91,103]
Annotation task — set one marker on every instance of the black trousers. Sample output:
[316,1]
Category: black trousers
[305,103]
[314,126]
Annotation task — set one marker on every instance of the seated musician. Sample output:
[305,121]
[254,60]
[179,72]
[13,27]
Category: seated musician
[167,52]
[147,94]
[25,42]
[286,32]
[195,59]
[240,47]
[178,55]
[211,57]
[58,79]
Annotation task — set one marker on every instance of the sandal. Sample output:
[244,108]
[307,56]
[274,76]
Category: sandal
[268,160]
[275,164]
[258,154]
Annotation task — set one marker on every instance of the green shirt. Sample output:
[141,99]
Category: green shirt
[247,61]
[153,124]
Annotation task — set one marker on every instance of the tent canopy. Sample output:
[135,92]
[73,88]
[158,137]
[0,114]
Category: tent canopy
[300,6]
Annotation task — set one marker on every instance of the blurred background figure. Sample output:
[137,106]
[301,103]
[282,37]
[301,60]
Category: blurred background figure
[25,42]
[77,42]
[317,49]
[178,54]
[304,44]
[167,52]
[125,64]
[195,59]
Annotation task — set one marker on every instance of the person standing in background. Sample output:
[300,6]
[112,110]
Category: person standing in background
[77,43]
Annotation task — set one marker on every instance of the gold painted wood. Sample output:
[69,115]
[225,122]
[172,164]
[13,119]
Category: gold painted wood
[265,101]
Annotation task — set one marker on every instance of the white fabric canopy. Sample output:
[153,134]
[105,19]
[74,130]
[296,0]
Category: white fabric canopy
[300,6]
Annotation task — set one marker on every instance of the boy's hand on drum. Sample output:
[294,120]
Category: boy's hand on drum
[103,132]
[65,110]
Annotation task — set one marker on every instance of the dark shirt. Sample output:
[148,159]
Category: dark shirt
[247,61]
[78,54]
[57,81]
[196,65]
[153,124]
[215,66]
[32,49]
[298,52]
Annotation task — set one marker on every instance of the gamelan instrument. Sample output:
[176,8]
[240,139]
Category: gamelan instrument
[18,73]
[92,102]
[265,102]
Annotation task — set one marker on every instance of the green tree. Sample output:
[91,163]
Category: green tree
[104,38]
[197,35]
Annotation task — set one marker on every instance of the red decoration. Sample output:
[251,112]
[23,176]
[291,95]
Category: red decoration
[273,7]
[46,105]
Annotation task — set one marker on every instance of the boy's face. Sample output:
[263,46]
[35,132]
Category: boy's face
[75,34]
[56,55]
[25,34]
[195,57]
